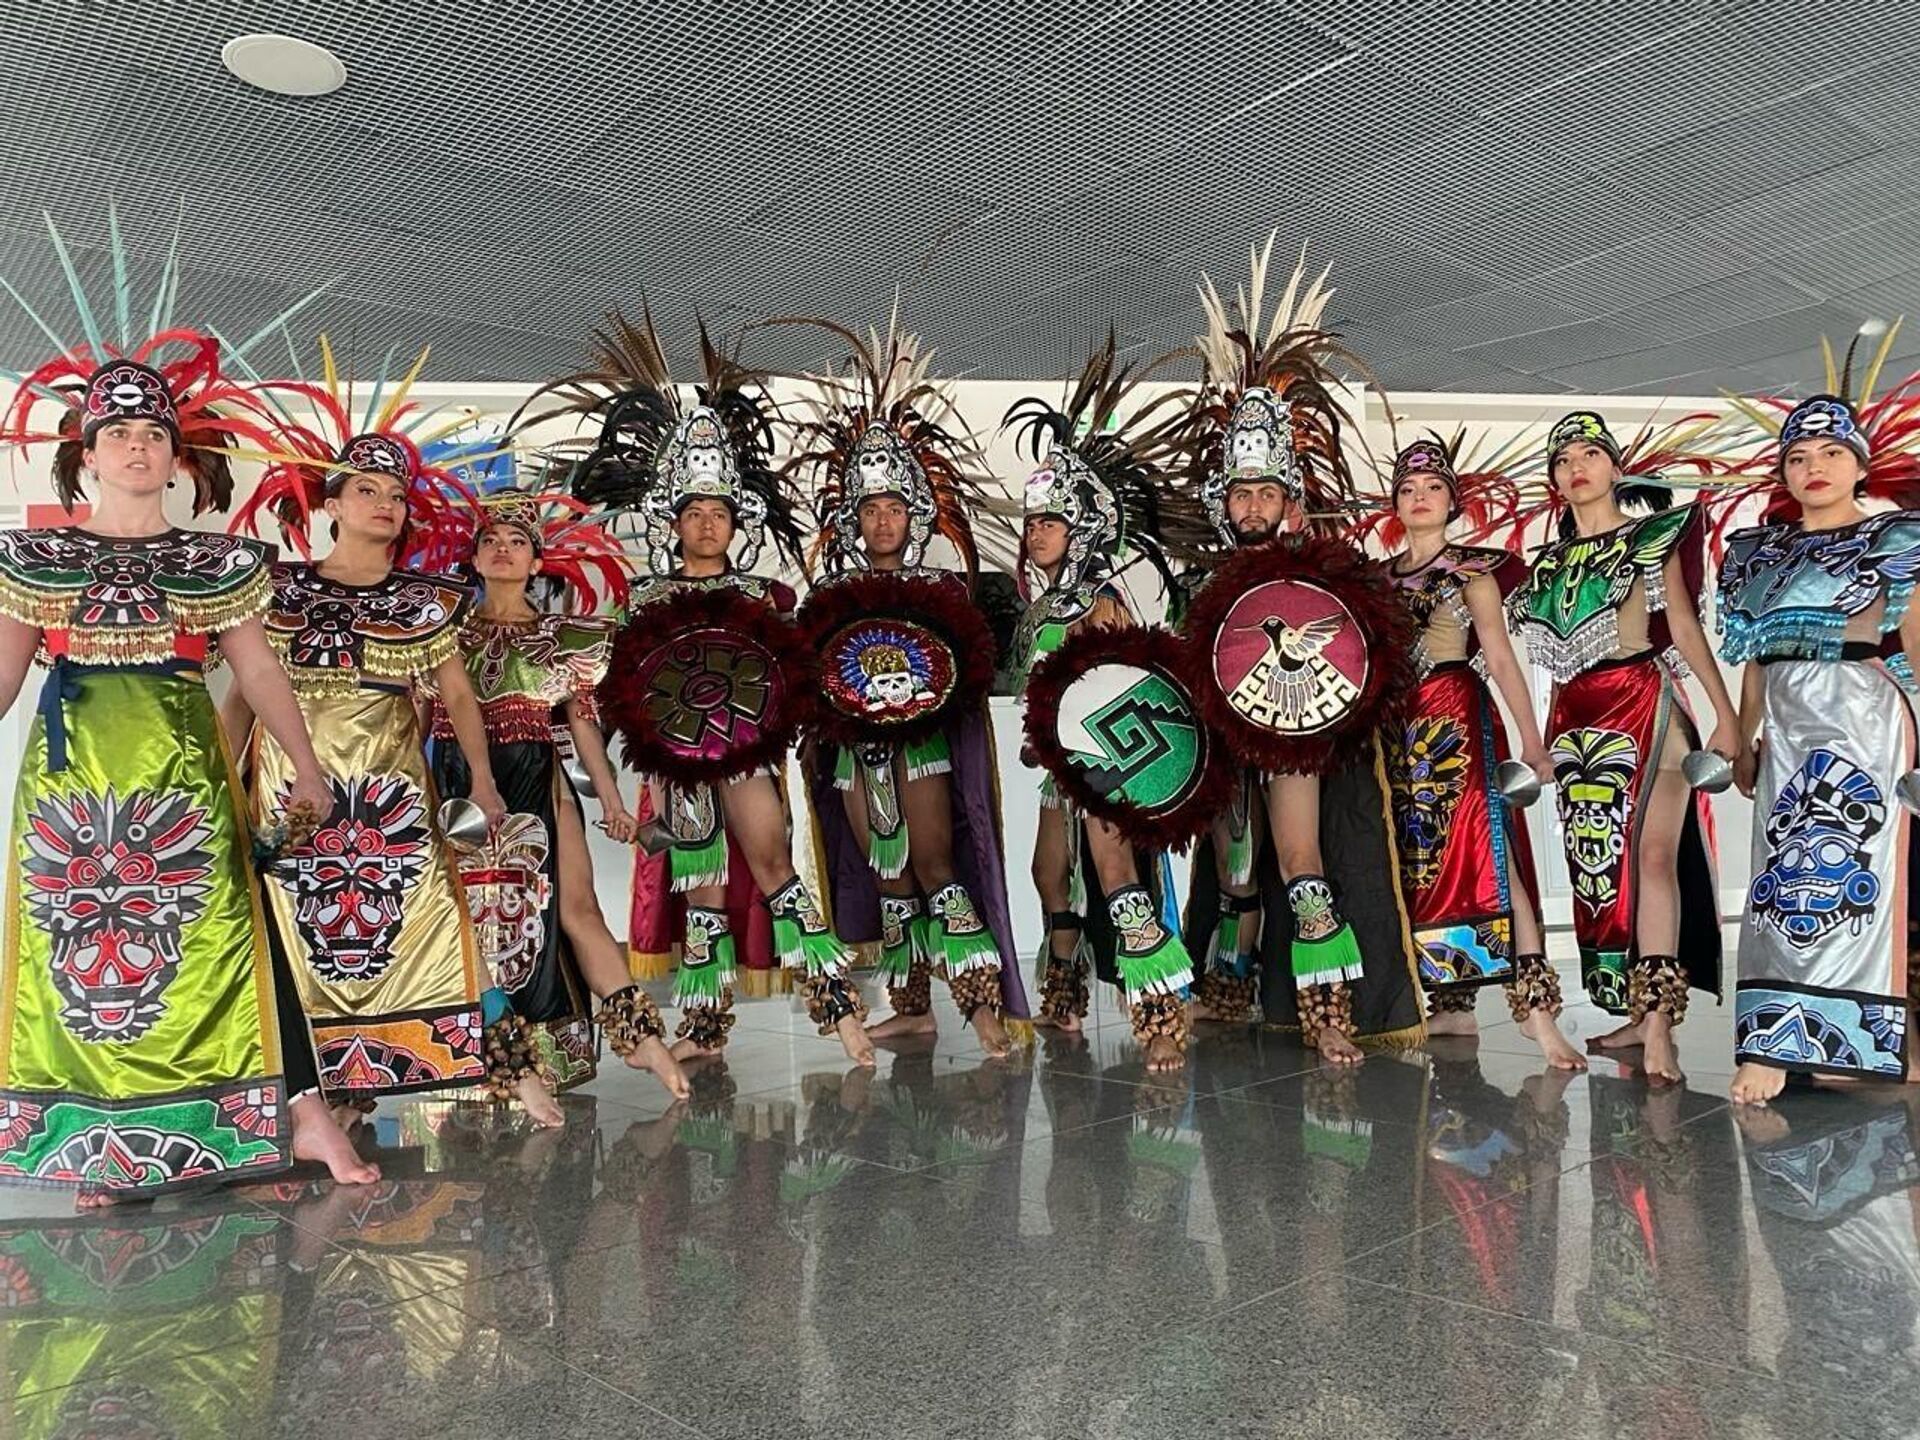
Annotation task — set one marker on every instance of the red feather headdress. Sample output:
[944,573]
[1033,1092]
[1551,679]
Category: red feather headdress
[322,443]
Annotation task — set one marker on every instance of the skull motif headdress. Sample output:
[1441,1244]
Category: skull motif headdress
[1265,409]
[881,425]
[1103,477]
[655,454]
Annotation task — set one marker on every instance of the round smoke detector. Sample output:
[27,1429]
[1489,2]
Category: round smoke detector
[283,64]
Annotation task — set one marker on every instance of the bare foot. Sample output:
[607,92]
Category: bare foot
[1163,1053]
[1625,1038]
[1336,1049]
[1756,1084]
[316,1137]
[685,1050]
[1453,1022]
[993,1035]
[1662,1057]
[1541,1028]
[1068,1024]
[539,1102]
[898,1024]
[854,1040]
[651,1054]
[1199,1010]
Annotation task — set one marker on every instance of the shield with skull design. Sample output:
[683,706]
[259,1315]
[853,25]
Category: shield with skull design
[900,655]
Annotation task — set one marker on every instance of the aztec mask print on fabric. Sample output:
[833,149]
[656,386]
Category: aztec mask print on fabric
[350,881]
[113,881]
[1816,877]
[1594,770]
[1429,773]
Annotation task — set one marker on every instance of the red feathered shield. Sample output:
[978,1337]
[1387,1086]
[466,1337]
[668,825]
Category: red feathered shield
[1112,716]
[706,685]
[899,656]
[1301,649]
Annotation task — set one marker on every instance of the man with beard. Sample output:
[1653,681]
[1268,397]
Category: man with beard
[1299,870]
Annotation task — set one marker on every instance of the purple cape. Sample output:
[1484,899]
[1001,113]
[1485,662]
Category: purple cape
[979,856]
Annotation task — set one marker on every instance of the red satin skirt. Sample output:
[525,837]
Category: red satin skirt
[1607,730]
[1461,848]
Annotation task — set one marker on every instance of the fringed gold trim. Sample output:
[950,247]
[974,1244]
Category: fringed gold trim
[209,614]
[763,984]
[1022,1033]
[1407,1037]
[31,605]
[649,965]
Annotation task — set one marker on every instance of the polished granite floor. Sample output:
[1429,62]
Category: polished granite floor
[1449,1242]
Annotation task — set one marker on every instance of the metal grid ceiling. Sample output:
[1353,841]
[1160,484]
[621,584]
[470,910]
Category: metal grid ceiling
[1652,196]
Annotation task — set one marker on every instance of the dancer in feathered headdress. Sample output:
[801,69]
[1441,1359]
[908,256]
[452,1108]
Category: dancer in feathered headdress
[1817,605]
[1097,499]
[1307,647]
[529,886]
[1611,611]
[1465,863]
[710,679]
[903,777]
[380,935]
[149,1036]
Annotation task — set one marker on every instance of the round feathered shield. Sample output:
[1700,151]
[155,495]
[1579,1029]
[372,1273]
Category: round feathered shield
[706,685]
[1301,649]
[899,656]
[1113,718]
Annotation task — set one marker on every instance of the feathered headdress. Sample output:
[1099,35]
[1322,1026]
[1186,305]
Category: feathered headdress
[1652,464]
[881,425]
[142,366]
[1105,479]
[1883,430]
[653,454]
[1478,475]
[1265,408]
[326,436]
[575,550]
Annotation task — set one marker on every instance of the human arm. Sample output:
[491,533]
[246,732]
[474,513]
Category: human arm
[591,746]
[1683,624]
[470,730]
[261,688]
[1496,647]
[1746,759]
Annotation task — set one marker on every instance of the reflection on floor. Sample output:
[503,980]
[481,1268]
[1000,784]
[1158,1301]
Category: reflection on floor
[1449,1242]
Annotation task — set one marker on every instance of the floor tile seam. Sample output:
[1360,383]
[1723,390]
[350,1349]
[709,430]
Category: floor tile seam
[1552,1327]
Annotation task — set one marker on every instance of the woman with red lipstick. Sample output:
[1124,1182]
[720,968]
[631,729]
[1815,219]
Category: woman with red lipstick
[1816,604]
[529,886]
[1465,863]
[1595,612]
[370,907]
